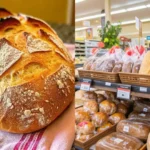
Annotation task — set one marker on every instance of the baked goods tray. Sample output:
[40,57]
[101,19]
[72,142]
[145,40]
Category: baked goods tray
[103,76]
[87,144]
[135,79]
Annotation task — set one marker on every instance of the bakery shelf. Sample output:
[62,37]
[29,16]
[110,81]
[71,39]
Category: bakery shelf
[137,91]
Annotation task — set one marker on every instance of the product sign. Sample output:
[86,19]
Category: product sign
[86,84]
[124,92]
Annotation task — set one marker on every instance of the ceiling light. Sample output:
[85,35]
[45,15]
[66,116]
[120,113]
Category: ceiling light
[78,1]
[148,5]
[118,11]
[89,17]
[136,8]
[83,28]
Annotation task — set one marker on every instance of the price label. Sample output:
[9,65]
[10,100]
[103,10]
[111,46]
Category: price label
[124,91]
[86,84]
[143,89]
[107,83]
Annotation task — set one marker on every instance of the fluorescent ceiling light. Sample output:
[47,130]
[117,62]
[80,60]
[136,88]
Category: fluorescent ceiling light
[113,12]
[89,17]
[82,28]
[148,5]
[136,8]
[118,11]
[78,1]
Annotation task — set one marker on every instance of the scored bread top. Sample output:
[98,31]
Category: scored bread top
[30,37]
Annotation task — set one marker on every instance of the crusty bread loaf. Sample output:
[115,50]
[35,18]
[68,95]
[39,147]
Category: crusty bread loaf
[36,74]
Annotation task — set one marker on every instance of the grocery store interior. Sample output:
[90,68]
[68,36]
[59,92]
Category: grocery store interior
[112,59]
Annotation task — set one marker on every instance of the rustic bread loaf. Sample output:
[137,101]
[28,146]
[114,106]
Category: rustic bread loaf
[36,74]
[138,129]
[119,141]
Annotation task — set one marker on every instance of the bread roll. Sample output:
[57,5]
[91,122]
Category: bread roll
[104,127]
[116,117]
[122,108]
[36,74]
[148,142]
[119,141]
[89,95]
[85,127]
[108,107]
[145,66]
[99,119]
[100,98]
[81,116]
[137,129]
[91,107]
[83,137]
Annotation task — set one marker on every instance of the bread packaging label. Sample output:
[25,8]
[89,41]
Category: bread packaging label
[145,109]
[116,140]
[126,128]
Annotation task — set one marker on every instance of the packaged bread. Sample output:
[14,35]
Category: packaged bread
[88,63]
[89,95]
[91,107]
[119,141]
[107,107]
[85,127]
[104,127]
[109,95]
[116,117]
[127,67]
[145,66]
[139,116]
[36,74]
[136,66]
[138,129]
[107,65]
[97,64]
[118,67]
[83,137]
[122,108]
[128,104]
[81,116]
[99,119]
[100,98]
[142,106]
[79,94]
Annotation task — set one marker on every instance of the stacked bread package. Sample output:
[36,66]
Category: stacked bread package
[36,74]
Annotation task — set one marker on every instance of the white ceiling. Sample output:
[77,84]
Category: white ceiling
[92,7]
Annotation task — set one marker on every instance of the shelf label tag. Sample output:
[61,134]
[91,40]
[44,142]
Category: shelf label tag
[107,83]
[143,89]
[124,92]
[86,84]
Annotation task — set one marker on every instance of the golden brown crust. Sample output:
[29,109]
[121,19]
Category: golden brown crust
[38,87]
[4,13]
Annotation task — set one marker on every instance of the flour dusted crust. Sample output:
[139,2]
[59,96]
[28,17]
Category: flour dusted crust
[36,81]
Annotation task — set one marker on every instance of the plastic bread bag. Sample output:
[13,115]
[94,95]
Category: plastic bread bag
[139,116]
[88,63]
[119,141]
[142,106]
[138,129]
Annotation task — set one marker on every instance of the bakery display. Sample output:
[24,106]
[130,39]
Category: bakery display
[104,127]
[119,141]
[122,108]
[138,129]
[89,95]
[36,74]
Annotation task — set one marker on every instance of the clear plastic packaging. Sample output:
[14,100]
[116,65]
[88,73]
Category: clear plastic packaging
[83,137]
[139,116]
[122,108]
[88,63]
[85,127]
[104,127]
[91,107]
[100,98]
[137,129]
[119,141]
[116,117]
[99,119]
[108,107]
[81,116]
[142,106]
